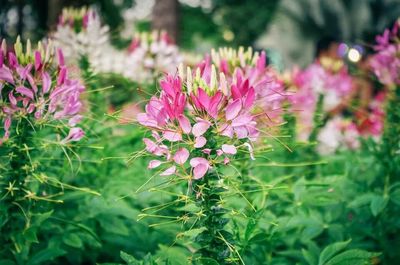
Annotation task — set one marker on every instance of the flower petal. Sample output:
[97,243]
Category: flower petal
[181,156]
[184,123]
[46,83]
[200,142]
[233,109]
[198,160]
[229,149]
[6,75]
[172,136]
[25,91]
[169,171]
[200,128]
[153,164]
[199,171]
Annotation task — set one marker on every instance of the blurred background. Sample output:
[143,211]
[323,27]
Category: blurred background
[289,30]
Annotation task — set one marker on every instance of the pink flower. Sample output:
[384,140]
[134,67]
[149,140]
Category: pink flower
[154,148]
[155,115]
[74,135]
[200,167]
[32,91]
[203,102]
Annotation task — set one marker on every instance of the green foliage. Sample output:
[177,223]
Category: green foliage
[233,14]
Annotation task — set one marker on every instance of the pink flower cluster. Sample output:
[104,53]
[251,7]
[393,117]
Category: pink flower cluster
[370,123]
[154,53]
[201,117]
[268,86]
[76,18]
[325,78]
[33,85]
[386,62]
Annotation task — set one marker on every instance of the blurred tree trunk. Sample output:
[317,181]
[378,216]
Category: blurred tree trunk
[166,17]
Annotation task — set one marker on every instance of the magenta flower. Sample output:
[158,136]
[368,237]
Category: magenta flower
[386,62]
[191,112]
[27,88]
[326,78]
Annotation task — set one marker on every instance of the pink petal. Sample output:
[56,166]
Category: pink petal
[229,149]
[172,136]
[199,171]
[233,109]
[62,75]
[60,56]
[145,120]
[155,135]
[74,135]
[46,83]
[242,120]
[25,91]
[153,148]
[74,120]
[38,60]
[226,160]
[219,152]
[153,164]
[241,132]
[181,156]
[184,123]
[204,98]
[206,151]
[6,75]
[200,128]
[200,142]
[227,131]
[250,98]
[198,160]
[215,100]
[7,123]
[169,171]
[12,99]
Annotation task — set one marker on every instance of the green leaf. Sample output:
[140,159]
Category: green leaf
[30,235]
[361,200]
[46,255]
[395,196]
[72,240]
[193,232]
[251,226]
[40,218]
[331,251]
[309,257]
[313,230]
[6,262]
[208,261]
[352,257]
[378,203]
[130,260]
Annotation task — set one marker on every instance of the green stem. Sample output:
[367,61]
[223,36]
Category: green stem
[216,242]
[390,147]
[13,192]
